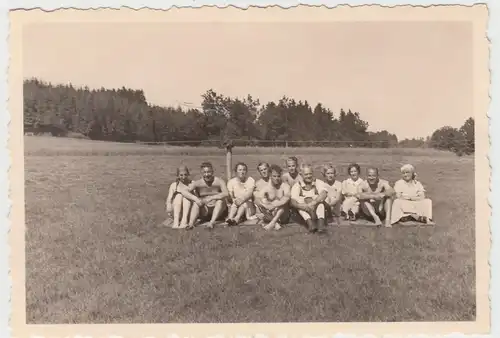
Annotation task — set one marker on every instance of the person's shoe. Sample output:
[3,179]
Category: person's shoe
[321,225]
[311,225]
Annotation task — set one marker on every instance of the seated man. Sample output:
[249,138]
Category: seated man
[263,169]
[293,175]
[273,201]
[240,188]
[307,197]
[209,195]
[375,195]
[333,188]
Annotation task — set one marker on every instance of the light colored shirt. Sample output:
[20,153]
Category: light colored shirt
[238,189]
[350,187]
[332,189]
[412,189]
[260,185]
[290,180]
[174,187]
[299,191]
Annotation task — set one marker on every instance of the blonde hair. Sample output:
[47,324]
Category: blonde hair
[326,167]
[410,168]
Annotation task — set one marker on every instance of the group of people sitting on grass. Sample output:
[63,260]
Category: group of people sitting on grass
[278,198]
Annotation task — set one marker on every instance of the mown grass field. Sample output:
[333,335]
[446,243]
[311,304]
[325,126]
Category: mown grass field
[95,252]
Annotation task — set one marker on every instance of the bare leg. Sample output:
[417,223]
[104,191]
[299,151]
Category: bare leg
[388,211]
[233,209]
[372,212]
[241,210]
[195,212]
[216,213]
[274,221]
[177,206]
[186,207]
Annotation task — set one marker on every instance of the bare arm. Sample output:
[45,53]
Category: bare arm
[337,197]
[363,194]
[388,191]
[285,198]
[321,197]
[168,202]
[223,194]
[420,195]
[188,193]
[295,192]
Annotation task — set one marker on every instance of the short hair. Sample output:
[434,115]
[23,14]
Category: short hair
[206,165]
[276,168]
[238,164]
[353,165]
[306,165]
[263,163]
[182,167]
[294,159]
[372,168]
[326,167]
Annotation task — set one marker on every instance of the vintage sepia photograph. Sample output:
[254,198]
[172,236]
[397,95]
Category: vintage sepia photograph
[305,165]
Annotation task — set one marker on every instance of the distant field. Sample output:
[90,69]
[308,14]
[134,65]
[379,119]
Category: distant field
[95,252]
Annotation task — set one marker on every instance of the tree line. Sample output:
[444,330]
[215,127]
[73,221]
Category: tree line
[124,115]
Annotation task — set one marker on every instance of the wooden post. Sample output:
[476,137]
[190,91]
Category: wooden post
[229,158]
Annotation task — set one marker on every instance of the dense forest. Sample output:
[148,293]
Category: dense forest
[124,115]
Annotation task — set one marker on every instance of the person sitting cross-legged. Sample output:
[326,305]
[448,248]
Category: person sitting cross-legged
[411,202]
[240,188]
[209,195]
[307,197]
[375,196]
[333,187]
[273,204]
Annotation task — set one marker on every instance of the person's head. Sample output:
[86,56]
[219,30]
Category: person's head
[207,171]
[263,169]
[408,172]
[241,170]
[182,173]
[353,170]
[292,164]
[276,173]
[372,175]
[307,173]
[329,172]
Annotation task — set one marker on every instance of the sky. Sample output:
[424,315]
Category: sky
[409,78]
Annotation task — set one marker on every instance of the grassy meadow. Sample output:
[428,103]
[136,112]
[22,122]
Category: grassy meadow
[96,254]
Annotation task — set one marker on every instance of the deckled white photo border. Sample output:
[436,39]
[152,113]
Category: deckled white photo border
[5,160]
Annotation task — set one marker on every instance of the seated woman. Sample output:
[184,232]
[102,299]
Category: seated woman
[410,202]
[241,189]
[350,205]
[178,206]
[334,191]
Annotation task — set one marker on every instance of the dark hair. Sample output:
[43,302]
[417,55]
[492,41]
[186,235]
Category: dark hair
[240,163]
[263,163]
[206,165]
[353,165]
[276,168]
[293,158]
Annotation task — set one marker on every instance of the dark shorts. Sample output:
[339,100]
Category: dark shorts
[379,209]
[206,213]
[269,215]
